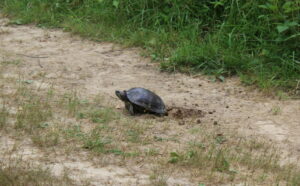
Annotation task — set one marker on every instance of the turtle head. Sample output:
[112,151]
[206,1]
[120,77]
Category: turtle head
[121,95]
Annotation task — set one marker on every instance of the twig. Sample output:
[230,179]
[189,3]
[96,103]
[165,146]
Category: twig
[39,62]
[32,56]
[109,51]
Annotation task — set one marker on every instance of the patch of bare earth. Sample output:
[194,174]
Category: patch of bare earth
[51,59]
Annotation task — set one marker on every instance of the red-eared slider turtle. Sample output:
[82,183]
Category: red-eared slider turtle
[140,100]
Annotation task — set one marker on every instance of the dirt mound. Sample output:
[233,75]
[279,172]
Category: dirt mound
[181,113]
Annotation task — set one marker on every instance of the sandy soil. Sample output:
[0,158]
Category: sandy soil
[94,68]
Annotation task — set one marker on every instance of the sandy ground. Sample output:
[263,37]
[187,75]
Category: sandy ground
[94,68]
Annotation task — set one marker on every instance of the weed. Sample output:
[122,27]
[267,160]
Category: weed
[175,157]
[276,110]
[96,144]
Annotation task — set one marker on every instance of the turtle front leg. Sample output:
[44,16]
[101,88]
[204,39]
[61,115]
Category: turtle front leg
[130,108]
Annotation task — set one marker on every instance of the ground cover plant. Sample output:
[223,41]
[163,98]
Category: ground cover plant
[256,39]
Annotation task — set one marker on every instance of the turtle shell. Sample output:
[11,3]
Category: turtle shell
[146,99]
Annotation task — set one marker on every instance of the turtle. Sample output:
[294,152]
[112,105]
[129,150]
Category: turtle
[140,100]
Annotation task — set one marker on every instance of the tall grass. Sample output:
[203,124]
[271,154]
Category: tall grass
[256,39]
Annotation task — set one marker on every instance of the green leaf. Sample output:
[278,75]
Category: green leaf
[174,157]
[218,3]
[292,36]
[28,81]
[282,28]
[285,26]
[16,22]
[191,154]
[221,78]
[291,24]
[263,6]
[116,3]
[174,154]
[44,125]
[290,6]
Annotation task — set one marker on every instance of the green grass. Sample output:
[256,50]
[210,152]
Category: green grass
[257,40]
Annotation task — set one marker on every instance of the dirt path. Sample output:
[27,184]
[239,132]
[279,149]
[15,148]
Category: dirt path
[69,62]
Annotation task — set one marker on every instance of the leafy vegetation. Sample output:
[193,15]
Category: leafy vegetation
[256,39]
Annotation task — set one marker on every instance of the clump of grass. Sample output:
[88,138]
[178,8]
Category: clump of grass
[38,113]
[17,173]
[33,111]
[82,109]
[103,115]
[10,62]
[4,32]
[257,40]
[46,139]
[3,116]
[230,159]
[95,141]
[158,178]
[276,110]
[71,102]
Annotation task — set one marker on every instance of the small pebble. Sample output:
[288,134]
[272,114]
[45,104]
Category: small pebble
[215,123]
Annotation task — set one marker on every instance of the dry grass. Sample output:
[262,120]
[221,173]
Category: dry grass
[16,169]
[18,173]
[4,31]
[53,120]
